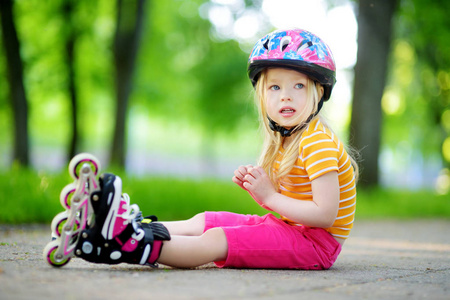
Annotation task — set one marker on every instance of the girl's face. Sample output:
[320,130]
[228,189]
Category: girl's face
[286,96]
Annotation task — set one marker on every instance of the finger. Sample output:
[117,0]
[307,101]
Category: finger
[249,178]
[255,172]
[243,170]
[237,181]
[260,171]
[247,186]
[238,174]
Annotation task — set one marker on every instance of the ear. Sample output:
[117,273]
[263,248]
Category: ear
[320,90]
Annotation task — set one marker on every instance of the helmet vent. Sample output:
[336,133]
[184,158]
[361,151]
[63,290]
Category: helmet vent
[266,44]
[285,41]
[304,45]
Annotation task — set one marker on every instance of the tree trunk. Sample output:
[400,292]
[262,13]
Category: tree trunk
[70,37]
[374,40]
[15,79]
[130,15]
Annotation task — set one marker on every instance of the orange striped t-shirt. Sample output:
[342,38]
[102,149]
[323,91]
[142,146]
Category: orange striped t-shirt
[320,152]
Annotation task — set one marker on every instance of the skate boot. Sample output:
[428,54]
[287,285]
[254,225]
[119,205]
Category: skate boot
[75,198]
[119,233]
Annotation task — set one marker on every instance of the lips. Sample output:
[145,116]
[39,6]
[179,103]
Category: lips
[287,112]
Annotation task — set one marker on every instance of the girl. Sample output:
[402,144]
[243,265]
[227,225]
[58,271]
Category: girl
[304,174]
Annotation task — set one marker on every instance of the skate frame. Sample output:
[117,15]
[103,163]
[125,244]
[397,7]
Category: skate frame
[80,212]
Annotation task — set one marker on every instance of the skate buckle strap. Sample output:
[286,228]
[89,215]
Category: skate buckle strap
[155,234]
[157,231]
[148,237]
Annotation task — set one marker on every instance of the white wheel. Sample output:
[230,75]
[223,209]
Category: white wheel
[78,161]
[66,195]
[59,223]
[54,259]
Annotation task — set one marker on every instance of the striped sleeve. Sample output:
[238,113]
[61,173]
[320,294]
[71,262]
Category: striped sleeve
[319,153]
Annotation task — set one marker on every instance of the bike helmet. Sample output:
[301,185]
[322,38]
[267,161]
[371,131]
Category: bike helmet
[295,49]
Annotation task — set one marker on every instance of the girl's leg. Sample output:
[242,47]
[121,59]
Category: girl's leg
[193,251]
[194,226]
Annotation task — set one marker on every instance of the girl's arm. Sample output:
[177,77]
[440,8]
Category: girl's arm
[321,212]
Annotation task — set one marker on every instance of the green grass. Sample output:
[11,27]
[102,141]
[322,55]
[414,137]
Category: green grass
[388,203]
[30,197]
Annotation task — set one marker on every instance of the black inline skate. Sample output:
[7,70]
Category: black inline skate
[107,229]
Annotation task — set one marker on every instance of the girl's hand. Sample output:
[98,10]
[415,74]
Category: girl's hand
[239,175]
[255,181]
[259,185]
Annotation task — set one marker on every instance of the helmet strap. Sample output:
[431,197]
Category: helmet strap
[282,130]
[288,132]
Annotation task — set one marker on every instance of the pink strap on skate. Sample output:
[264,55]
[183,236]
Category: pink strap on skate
[157,246]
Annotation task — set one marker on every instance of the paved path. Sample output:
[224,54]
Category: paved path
[381,260]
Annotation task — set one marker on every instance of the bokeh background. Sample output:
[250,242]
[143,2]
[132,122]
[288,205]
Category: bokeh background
[158,90]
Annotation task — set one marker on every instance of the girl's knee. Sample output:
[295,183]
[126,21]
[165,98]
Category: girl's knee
[196,224]
[216,240]
[200,217]
[216,232]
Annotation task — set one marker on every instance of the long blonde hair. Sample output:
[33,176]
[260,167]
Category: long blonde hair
[273,140]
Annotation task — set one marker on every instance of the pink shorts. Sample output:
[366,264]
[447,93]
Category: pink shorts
[269,242]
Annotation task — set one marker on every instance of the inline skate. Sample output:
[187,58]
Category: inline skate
[99,224]
[76,199]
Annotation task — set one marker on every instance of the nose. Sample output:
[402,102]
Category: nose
[285,95]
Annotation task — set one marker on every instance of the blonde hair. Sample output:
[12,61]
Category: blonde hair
[273,140]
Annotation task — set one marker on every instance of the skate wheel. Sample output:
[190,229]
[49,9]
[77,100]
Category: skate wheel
[66,195]
[78,161]
[59,222]
[54,259]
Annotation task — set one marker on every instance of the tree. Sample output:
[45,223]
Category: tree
[374,40]
[130,17]
[70,38]
[15,79]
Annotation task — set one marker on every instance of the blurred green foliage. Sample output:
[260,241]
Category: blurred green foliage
[416,102]
[184,76]
[27,197]
[181,73]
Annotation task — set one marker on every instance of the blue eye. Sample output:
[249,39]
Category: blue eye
[299,86]
[274,88]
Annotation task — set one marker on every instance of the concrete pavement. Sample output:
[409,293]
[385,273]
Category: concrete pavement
[381,260]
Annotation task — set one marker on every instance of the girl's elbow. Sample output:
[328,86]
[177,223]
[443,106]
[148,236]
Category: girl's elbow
[328,217]
[327,222]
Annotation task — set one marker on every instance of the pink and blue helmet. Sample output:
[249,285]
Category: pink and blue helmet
[295,49]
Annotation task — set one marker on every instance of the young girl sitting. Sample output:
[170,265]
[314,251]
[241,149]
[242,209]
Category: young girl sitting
[304,174]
